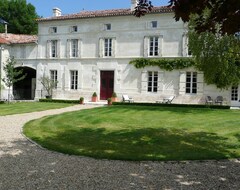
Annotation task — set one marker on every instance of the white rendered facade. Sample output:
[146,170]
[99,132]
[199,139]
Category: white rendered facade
[78,51]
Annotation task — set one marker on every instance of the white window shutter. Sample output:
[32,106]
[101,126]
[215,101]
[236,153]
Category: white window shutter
[160,45]
[146,46]
[200,82]
[58,48]
[113,47]
[101,47]
[48,49]
[182,82]
[79,47]
[68,48]
[144,81]
[160,81]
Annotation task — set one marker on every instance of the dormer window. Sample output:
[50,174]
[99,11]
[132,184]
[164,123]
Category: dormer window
[74,28]
[53,29]
[154,24]
[108,27]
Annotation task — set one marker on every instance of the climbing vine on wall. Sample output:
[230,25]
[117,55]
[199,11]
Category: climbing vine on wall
[165,64]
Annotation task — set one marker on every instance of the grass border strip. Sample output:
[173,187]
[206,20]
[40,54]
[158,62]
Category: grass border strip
[59,101]
[174,105]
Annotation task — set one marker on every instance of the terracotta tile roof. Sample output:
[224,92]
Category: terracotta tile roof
[17,38]
[3,41]
[104,13]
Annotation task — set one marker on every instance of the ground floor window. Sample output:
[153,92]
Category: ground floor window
[53,76]
[234,94]
[191,83]
[74,80]
[152,81]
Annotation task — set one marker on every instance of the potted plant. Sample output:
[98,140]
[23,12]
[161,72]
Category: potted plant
[81,100]
[109,100]
[114,97]
[94,97]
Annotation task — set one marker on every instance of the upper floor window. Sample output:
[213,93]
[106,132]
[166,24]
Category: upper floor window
[153,46]
[73,28]
[74,48]
[53,48]
[191,82]
[152,81]
[154,24]
[107,27]
[53,76]
[53,29]
[108,47]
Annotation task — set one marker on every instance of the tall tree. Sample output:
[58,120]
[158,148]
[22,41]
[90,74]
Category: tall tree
[11,74]
[20,15]
[225,13]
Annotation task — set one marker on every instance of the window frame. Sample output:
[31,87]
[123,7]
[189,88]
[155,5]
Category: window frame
[53,30]
[191,83]
[74,28]
[53,77]
[154,24]
[54,48]
[74,79]
[234,93]
[152,85]
[108,27]
[74,48]
[108,47]
[153,50]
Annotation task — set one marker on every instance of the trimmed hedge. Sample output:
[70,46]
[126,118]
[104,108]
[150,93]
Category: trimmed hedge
[2,102]
[173,105]
[59,101]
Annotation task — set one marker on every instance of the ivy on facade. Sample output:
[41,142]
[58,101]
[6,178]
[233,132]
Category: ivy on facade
[164,64]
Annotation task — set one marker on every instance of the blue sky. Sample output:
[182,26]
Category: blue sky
[44,7]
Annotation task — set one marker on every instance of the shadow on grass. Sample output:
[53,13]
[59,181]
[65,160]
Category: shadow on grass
[140,144]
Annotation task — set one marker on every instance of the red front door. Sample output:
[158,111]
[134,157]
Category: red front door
[107,84]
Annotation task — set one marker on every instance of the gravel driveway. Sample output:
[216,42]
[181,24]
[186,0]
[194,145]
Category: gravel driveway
[23,165]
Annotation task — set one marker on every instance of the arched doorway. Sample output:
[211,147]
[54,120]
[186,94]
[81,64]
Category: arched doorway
[25,89]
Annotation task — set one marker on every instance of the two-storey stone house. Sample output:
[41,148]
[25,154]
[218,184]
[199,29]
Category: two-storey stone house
[90,52]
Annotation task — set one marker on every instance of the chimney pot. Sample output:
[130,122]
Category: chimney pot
[57,12]
[133,4]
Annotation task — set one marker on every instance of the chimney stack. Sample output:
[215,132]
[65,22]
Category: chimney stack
[57,12]
[133,4]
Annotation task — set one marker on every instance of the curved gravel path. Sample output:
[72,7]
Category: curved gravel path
[23,165]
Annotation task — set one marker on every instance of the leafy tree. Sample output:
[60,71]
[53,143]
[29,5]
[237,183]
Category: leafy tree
[12,75]
[48,85]
[218,56]
[225,13]
[20,15]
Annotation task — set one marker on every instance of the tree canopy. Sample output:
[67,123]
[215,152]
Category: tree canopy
[20,16]
[225,13]
[218,56]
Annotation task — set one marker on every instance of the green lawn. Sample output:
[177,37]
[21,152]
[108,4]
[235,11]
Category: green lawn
[141,133]
[26,107]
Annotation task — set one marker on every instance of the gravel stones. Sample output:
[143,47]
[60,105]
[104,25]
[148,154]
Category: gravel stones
[23,165]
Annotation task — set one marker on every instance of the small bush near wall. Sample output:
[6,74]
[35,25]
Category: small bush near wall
[1,102]
[174,105]
[59,101]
